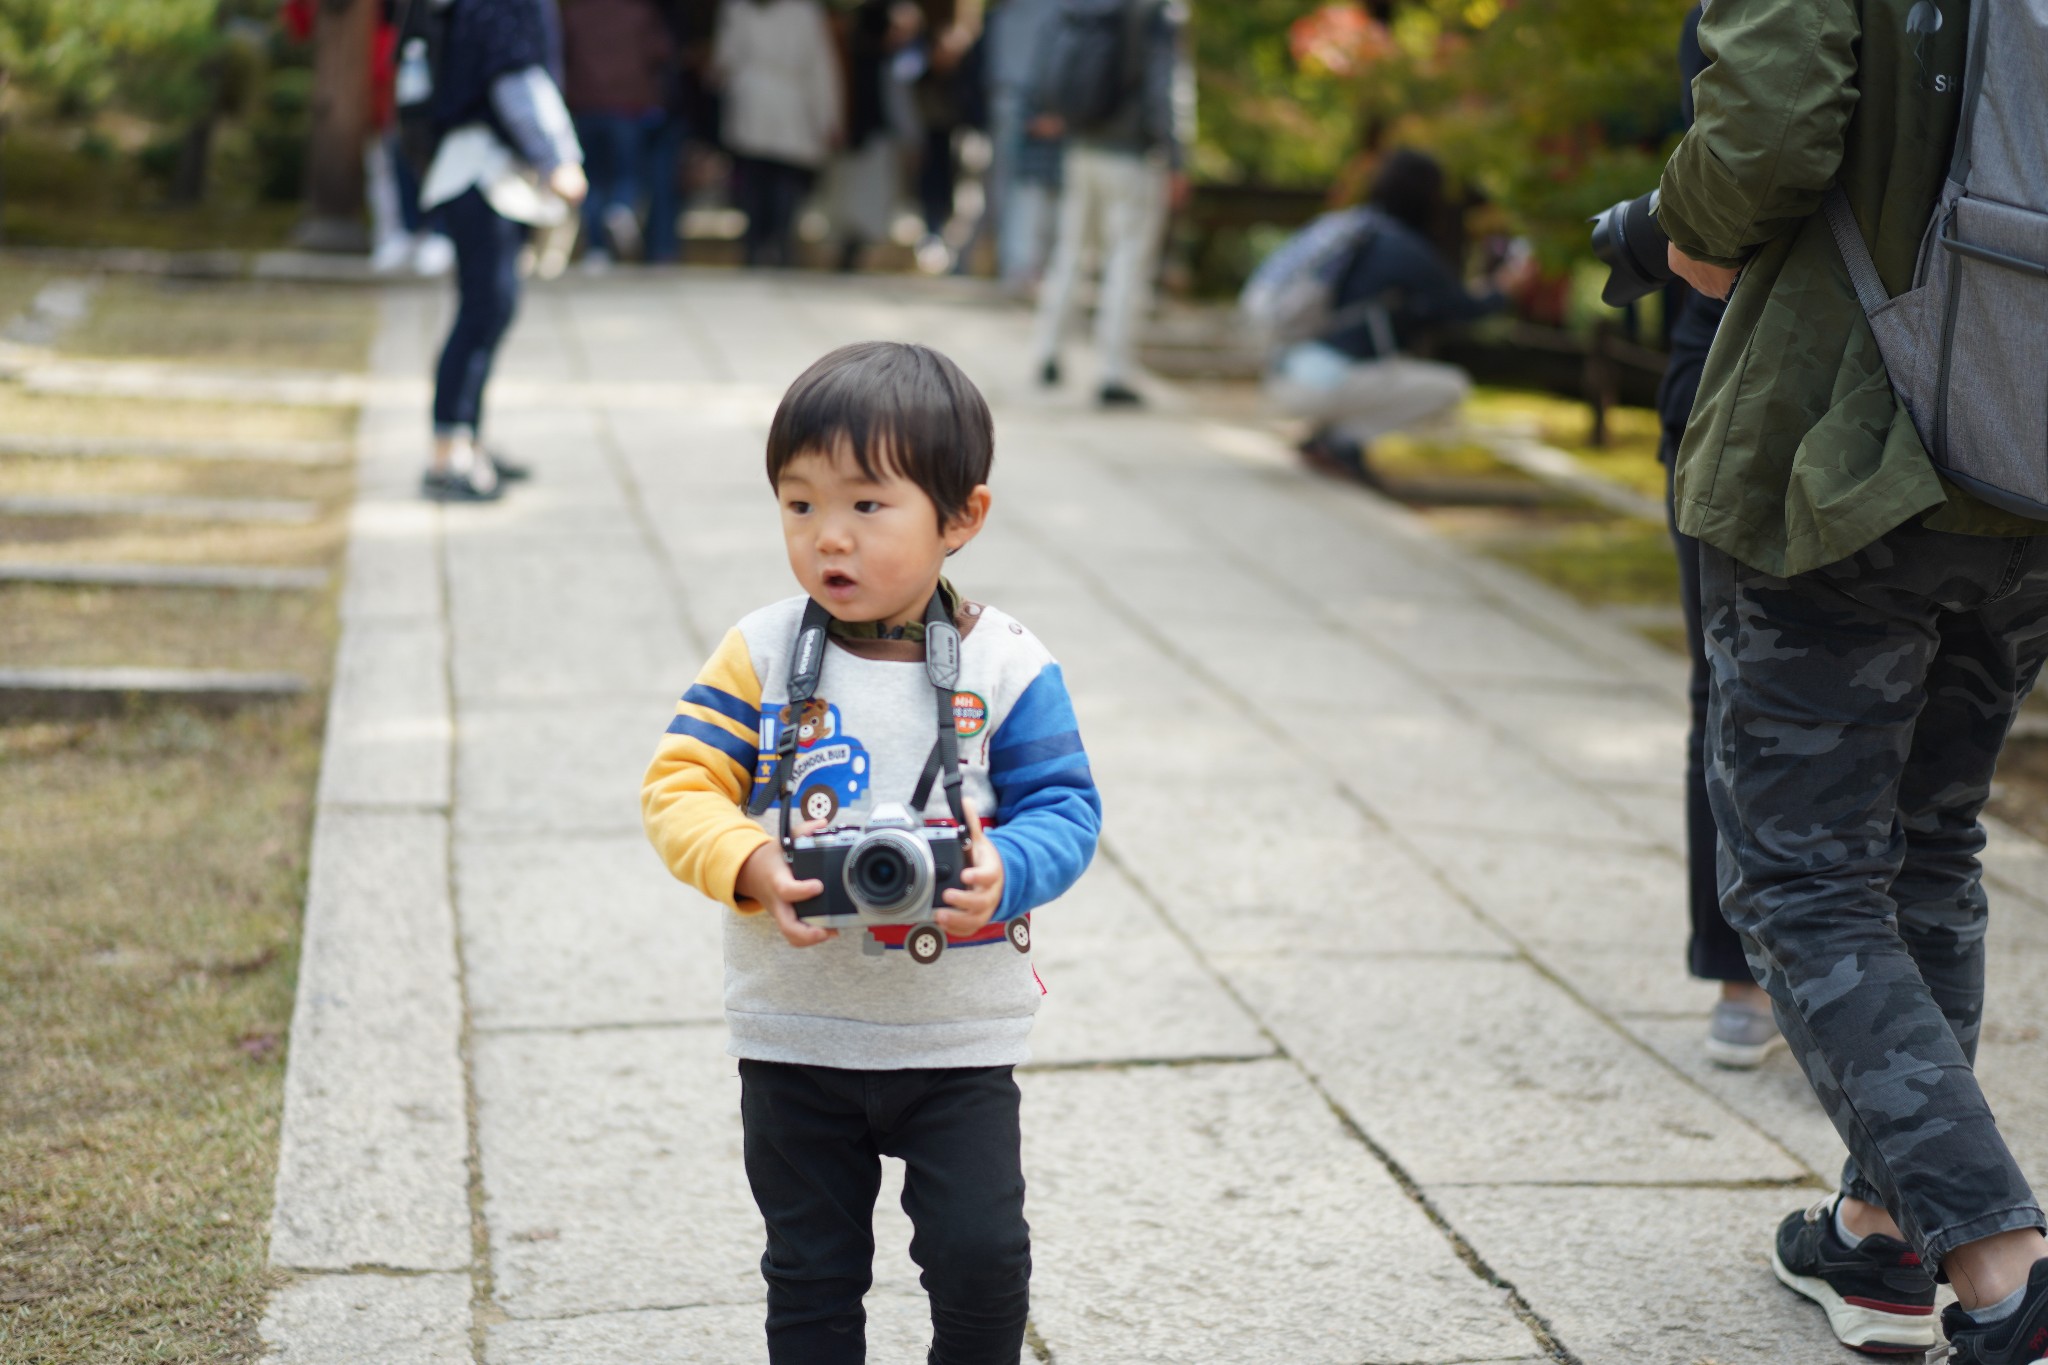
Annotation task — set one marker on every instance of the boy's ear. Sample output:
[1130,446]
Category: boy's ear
[966,524]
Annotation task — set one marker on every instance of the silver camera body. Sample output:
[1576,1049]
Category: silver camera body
[894,871]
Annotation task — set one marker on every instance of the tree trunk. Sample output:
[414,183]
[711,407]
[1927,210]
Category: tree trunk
[341,122]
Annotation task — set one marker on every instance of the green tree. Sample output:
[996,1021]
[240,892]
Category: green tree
[1552,108]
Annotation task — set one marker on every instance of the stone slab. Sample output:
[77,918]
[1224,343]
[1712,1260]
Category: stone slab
[1597,734]
[388,726]
[155,448]
[899,1329]
[284,510]
[560,617]
[582,933]
[1493,1063]
[613,1175]
[1774,1098]
[358,1319]
[1121,986]
[373,1156]
[99,691]
[258,578]
[394,560]
[1223,1210]
[1667,1276]
[1270,867]
[1564,892]
[554,769]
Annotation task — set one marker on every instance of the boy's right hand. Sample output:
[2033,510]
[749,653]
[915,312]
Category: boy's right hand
[764,879]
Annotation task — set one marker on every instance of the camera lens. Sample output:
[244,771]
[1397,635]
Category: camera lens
[889,873]
[1629,241]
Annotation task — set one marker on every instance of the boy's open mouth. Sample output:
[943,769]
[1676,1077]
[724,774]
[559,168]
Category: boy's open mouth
[839,583]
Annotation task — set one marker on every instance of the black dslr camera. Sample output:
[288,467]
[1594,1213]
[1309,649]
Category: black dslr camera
[894,870]
[1629,241]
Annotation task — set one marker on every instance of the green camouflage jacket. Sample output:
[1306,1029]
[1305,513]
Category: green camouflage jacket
[1797,454]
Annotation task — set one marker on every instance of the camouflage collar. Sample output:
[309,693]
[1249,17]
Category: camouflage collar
[875,630]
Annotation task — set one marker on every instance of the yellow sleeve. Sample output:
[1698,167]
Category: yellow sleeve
[694,797]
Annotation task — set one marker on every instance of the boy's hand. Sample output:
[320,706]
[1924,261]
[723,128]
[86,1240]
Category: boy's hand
[764,878]
[981,888]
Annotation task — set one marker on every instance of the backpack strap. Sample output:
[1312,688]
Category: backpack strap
[1973,90]
[1870,290]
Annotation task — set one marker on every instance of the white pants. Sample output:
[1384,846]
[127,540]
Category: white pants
[1114,202]
[1364,400]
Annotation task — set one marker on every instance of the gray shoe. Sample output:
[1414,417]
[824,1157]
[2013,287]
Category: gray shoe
[1741,1035]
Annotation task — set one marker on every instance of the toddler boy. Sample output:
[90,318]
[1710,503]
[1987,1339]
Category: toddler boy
[857,1042]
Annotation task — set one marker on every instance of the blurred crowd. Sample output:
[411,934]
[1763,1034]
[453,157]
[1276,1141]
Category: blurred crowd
[879,122]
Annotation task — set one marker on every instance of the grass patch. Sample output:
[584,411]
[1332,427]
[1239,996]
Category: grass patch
[55,414]
[92,627]
[18,286]
[1633,434]
[172,478]
[152,865]
[61,194]
[259,323]
[151,873]
[144,540]
[1601,562]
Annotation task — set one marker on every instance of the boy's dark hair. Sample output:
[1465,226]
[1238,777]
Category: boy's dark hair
[903,408]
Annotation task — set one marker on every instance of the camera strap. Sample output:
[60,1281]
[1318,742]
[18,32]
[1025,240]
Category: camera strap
[807,662]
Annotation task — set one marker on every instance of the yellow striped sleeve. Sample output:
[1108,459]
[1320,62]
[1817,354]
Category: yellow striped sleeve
[693,799]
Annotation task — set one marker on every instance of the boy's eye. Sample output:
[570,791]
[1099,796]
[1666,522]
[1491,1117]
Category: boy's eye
[867,505]
[797,506]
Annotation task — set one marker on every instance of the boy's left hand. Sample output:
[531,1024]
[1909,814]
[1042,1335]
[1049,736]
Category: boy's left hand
[981,888]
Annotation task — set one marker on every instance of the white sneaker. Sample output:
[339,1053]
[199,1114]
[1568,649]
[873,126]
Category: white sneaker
[433,255]
[392,255]
[1740,1036]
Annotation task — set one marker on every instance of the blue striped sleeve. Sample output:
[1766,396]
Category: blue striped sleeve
[725,704]
[740,751]
[1049,811]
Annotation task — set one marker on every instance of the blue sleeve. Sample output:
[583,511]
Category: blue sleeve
[1047,808]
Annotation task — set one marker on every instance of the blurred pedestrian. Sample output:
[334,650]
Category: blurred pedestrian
[1871,625]
[868,172]
[1390,288]
[780,73]
[1112,80]
[1741,1033]
[618,55]
[507,161]
[936,86]
[1024,178]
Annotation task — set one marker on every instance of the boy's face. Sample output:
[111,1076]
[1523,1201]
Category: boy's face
[867,549]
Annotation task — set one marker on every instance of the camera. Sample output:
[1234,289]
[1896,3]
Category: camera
[1629,241]
[892,871]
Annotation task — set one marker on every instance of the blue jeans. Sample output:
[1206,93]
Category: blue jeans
[613,153]
[661,150]
[487,283]
[815,1137]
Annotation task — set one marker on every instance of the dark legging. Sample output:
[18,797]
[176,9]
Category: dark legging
[770,193]
[487,249]
[1714,952]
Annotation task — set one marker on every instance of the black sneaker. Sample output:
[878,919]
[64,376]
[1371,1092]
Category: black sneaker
[2021,1339]
[1876,1296]
[1049,375]
[1120,396]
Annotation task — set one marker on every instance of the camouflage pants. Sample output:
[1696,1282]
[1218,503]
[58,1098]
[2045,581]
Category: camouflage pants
[1856,716]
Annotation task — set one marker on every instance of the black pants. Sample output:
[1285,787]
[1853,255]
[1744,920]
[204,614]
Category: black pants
[1713,952]
[487,283]
[770,193]
[815,1137]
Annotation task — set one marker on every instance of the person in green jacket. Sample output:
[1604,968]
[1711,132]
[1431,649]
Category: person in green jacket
[1872,631]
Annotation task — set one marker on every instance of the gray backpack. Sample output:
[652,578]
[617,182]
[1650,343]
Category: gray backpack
[1967,345]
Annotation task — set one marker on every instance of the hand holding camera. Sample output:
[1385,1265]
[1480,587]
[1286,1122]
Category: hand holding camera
[980,892]
[766,880]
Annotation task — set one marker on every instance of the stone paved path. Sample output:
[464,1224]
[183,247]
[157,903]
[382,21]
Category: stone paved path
[1367,1040]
